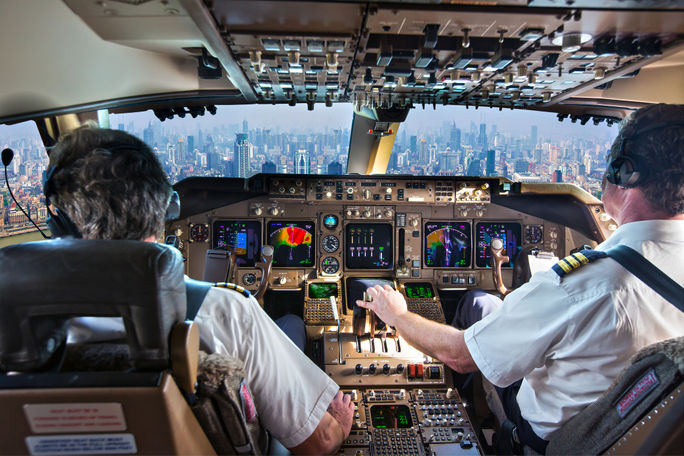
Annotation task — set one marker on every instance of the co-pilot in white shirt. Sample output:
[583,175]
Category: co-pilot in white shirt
[569,338]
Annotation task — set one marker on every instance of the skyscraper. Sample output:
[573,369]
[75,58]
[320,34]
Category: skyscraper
[268,167]
[533,136]
[474,168]
[335,168]
[241,157]
[302,162]
[455,137]
[557,176]
[482,139]
[491,164]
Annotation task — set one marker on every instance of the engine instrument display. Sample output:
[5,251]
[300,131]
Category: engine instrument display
[355,287]
[419,290]
[447,245]
[293,243]
[330,265]
[322,290]
[391,416]
[509,233]
[330,243]
[243,236]
[368,246]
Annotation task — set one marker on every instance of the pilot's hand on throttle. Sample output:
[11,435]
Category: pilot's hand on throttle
[387,303]
[342,409]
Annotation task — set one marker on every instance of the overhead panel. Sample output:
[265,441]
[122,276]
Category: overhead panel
[504,54]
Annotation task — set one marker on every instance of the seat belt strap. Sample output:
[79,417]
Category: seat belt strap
[195,292]
[648,273]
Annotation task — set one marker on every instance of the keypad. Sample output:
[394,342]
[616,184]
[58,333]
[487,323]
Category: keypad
[397,442]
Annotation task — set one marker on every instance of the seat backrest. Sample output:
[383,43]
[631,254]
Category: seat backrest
[641,413]
[48,409]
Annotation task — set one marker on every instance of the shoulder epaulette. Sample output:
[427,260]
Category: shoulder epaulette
[232,286]
[576,260]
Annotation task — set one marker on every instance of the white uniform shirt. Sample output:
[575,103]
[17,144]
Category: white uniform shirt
[569,338]
[290,392]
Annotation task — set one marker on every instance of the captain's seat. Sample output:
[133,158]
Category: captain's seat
[123,397]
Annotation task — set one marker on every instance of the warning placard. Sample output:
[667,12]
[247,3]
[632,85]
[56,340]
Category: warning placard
[75,417]
[53,445]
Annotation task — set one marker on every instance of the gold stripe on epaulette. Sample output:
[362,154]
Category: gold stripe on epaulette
[580,256]
[572,261]
[565,265]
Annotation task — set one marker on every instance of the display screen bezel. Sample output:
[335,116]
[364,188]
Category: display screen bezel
[299,224]
[508,265]
[242,259]
[347,259]
[350,301]
[469,255]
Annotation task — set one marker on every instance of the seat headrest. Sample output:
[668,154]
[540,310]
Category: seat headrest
[44,284]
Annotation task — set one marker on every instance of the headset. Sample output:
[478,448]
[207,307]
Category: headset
[59,222]
[628,171]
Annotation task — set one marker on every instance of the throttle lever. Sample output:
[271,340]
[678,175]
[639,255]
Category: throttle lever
[264,265]
[498,258]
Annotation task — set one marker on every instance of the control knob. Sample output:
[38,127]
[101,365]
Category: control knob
[356,212]
[366,194]
[371,369]
[367,213]
[355,394]
[274,211]
[291,190]
[413,222]
[328,194]
[258,211]
[450,394]
[386,369]
[350,190]
[282,280]
[358,370]
[388,190]
[388,213]
[400,368]
[349,212]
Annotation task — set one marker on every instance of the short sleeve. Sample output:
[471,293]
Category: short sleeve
[516,338]
[291,393]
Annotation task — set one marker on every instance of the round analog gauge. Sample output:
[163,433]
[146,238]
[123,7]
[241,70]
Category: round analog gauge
[199,233]
[249,279]
[330,265]
[331,243]
[330,221]
[534,234]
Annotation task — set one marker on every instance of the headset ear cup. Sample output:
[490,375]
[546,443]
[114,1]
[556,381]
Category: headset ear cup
[61,225]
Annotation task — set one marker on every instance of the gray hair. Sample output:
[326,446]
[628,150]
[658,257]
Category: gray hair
[110,184]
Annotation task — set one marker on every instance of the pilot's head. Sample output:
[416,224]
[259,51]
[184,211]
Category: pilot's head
[646,161]
[109,183]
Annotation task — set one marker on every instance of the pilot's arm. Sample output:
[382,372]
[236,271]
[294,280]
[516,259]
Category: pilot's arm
[440,341]
[331,431]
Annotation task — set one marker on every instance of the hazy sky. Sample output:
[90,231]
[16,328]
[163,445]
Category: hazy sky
[340,116]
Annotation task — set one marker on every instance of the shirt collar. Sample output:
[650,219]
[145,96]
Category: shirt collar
[646,230]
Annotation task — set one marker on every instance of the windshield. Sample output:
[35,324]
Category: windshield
[240,141]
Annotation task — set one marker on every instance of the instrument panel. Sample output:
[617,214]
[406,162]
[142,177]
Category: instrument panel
[332,238]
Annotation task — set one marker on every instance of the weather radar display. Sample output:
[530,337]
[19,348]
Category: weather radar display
[293,243]
[447,244]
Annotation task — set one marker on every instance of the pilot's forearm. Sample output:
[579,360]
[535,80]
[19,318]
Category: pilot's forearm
[325,439]
[440,341]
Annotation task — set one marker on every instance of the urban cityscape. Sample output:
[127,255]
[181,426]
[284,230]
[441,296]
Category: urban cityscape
[432,144]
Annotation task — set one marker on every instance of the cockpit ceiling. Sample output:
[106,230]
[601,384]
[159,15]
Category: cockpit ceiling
[399,54]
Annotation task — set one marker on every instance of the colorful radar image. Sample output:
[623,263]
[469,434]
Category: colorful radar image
[447,244]
[293,243]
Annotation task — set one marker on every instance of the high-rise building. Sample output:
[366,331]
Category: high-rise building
[241,156]
[335,168]
[302,162]
[455,137]
[245,127]
[191,146]
[491,163]
[557,176]
[521,166]
[482,139]
[414,146]
[533,136]
[268,167]
[474,168]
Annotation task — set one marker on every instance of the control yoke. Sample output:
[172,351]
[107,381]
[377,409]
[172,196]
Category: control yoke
[498,258]
[264,265]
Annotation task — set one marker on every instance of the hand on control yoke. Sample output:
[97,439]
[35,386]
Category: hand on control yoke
[387,303]
[342,409]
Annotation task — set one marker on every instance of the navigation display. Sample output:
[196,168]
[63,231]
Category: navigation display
[391,416]
[447,245]
[509,233]
[322,290]
[355,287]
[293,243]
[243,236]
[368,246]
[419,290]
